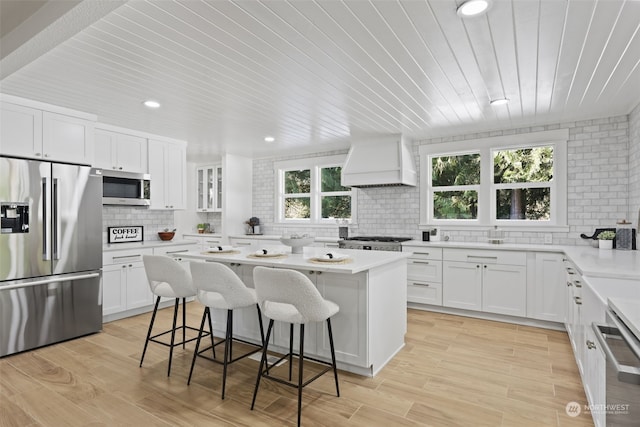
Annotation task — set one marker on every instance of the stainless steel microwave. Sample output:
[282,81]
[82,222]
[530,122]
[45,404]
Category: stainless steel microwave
[125,188]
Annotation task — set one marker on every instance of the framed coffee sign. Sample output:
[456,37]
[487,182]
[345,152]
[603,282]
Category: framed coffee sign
[125,234]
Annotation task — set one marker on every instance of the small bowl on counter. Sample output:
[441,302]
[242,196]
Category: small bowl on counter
[166,235]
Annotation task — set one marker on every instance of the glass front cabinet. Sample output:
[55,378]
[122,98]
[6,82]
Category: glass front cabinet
[209,181]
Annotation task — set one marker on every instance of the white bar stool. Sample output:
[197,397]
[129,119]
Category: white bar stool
[289,296]
[218,287]
[168,279]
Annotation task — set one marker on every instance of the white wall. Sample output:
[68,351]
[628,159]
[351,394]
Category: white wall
[598,186]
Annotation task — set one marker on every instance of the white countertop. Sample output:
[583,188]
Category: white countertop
[277,237]
[479,245]
[361,260]
[629,312]
[145,244]
[612,263]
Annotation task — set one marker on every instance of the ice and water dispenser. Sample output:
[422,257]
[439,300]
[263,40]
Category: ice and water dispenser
[14,217]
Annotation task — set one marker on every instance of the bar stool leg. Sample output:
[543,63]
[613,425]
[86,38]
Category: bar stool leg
[290,349]
[213,346]
[262,362]
[195,353]
[173,334]
[153,319]
[227,349]
[260,322]
[184,321]
[333,357]
[300,372]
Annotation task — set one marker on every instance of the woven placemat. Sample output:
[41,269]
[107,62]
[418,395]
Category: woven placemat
[220,252]
[278,256]
[342,261]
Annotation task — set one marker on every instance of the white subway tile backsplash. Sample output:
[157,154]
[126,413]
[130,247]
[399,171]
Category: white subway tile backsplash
[603,185]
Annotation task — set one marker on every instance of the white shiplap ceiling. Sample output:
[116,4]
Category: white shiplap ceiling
[314,73]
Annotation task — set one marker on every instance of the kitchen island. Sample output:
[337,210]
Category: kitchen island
[370,288]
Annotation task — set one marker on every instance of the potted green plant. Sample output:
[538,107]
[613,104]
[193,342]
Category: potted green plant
[201,228]
[605,239]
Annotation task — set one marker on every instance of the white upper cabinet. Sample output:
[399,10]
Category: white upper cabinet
[33,133]
[67,139]
[167,167]
[20,131]
[118,151]
[209,188]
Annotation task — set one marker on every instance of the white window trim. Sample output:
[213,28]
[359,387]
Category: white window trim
[486,213]
[314,164]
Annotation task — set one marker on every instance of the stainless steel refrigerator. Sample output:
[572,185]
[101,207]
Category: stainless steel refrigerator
[50,253]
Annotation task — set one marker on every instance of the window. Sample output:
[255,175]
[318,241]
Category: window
[310,191]
[516,180]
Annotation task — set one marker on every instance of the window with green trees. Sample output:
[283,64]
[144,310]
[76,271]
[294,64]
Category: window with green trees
[522,181]
[518,180]
[312,192]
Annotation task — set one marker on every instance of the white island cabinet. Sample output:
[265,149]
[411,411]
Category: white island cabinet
[371,291]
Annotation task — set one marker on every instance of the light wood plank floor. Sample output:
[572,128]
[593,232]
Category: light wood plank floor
[453,371]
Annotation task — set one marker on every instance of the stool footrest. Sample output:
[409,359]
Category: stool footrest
[265,373]
[221,362]
[177,343]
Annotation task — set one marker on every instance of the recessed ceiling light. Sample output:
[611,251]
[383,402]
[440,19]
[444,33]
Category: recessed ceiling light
[501,101]
[269,139]
[151,104]
[472,8]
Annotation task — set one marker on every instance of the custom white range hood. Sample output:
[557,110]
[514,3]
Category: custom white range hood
[378,162]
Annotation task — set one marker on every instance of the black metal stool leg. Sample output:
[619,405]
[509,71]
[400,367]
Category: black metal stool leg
[290,349]
[153,318]
[300,372]
[213,344]
[173,334]
[263,360]
[260,322]
[195,353]
[333,357]
[184,321]
[227,349]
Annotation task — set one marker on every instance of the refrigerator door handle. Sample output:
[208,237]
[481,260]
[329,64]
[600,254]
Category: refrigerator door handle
[65,278]
[46,255]
[54,233]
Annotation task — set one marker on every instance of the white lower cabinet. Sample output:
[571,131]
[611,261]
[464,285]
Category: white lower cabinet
[125,288]
[483,280]
[547,297]
[462,285]
[124,281]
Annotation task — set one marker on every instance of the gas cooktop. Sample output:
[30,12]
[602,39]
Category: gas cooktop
[378,239]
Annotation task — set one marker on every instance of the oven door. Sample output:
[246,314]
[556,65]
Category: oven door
[622,350]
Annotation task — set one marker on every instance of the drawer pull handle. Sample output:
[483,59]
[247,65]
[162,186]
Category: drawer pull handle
[420,262]
[421,284]
[177,252]
[126,256]
[481,257]
[578,284]
[578,300]
[421,253]
[591,345]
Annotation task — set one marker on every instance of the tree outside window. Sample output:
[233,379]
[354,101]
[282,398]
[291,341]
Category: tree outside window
[311,191]
[522,180]
[455,181]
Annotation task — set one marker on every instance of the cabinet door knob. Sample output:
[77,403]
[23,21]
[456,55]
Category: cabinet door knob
[38,154]
[130,265]
[124,266]
[120,168]
[477,265]
[46,155]
[485,266]
[569,283]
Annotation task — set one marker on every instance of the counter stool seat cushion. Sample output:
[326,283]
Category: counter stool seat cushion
[289,313]
[220,301]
